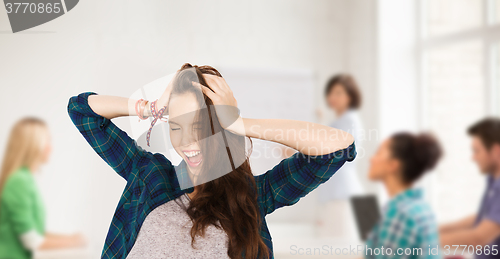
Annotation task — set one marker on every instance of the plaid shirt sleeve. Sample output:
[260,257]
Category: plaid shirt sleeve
[112,144]
[296,176]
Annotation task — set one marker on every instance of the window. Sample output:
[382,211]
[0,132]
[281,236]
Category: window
[452,16]
[459,53]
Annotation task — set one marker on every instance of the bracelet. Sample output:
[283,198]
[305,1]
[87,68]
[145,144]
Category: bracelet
[156,115]
[153,108]
[140,111]
[143,107]
[159,114]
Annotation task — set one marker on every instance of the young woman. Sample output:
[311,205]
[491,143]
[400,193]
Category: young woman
[218,218]
[407,224]
[335,219]
[22,214]
[344,97]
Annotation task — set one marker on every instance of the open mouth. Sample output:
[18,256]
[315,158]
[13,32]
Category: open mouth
[193,157]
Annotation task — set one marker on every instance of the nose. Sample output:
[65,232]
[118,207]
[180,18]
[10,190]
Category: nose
[188,138]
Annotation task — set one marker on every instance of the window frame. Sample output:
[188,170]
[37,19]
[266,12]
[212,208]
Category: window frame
[489,34]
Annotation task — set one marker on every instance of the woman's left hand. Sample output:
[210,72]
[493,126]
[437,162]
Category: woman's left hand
[225,104]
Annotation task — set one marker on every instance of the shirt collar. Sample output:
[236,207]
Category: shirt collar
[410,193]
[24,169]
[492,182]
[183,178]
[347,113]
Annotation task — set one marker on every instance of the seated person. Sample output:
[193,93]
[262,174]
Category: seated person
[407,226]
[482,229]
[22,211]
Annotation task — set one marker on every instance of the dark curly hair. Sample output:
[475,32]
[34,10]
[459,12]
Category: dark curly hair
[417,153]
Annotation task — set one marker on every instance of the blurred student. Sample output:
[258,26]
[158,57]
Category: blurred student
[344,98]
[407,220]
[482,230]
[22,215]
[335,218]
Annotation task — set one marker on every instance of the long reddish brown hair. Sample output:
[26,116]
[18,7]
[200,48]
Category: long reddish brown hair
[230,201]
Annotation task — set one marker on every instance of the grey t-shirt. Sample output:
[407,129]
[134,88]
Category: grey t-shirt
[490,209]
[165,233]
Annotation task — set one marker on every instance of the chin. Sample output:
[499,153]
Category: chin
[374,177]
[486,171]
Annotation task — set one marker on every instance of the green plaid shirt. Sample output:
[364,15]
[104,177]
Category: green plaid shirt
[407,223]
[152,181]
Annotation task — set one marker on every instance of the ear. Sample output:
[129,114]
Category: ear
[394,166]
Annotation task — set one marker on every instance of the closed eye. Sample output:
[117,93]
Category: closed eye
[175,128]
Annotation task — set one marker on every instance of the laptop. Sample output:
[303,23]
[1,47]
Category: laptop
[367,213]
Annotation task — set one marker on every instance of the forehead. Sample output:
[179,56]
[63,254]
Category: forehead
[183,107]
[477,142]
[338,87]
[385,145]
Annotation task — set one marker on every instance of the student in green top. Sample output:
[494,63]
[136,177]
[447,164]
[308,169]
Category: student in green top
[22,215]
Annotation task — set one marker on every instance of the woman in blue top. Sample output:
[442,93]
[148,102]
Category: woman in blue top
[188,211]
[407,228]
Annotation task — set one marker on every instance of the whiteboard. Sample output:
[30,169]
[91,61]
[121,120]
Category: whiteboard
[271,94]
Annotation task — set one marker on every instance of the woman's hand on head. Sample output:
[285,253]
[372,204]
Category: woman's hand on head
[163,100]
[225,104]
[220,94]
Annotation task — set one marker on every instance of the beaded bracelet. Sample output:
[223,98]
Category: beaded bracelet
[156,115]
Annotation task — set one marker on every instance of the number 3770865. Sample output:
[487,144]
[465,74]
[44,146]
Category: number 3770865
[472,250]
[33,7]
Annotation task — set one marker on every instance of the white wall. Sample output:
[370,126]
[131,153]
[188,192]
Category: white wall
[397,66]
[114,47]
[361,61]
[398,78]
